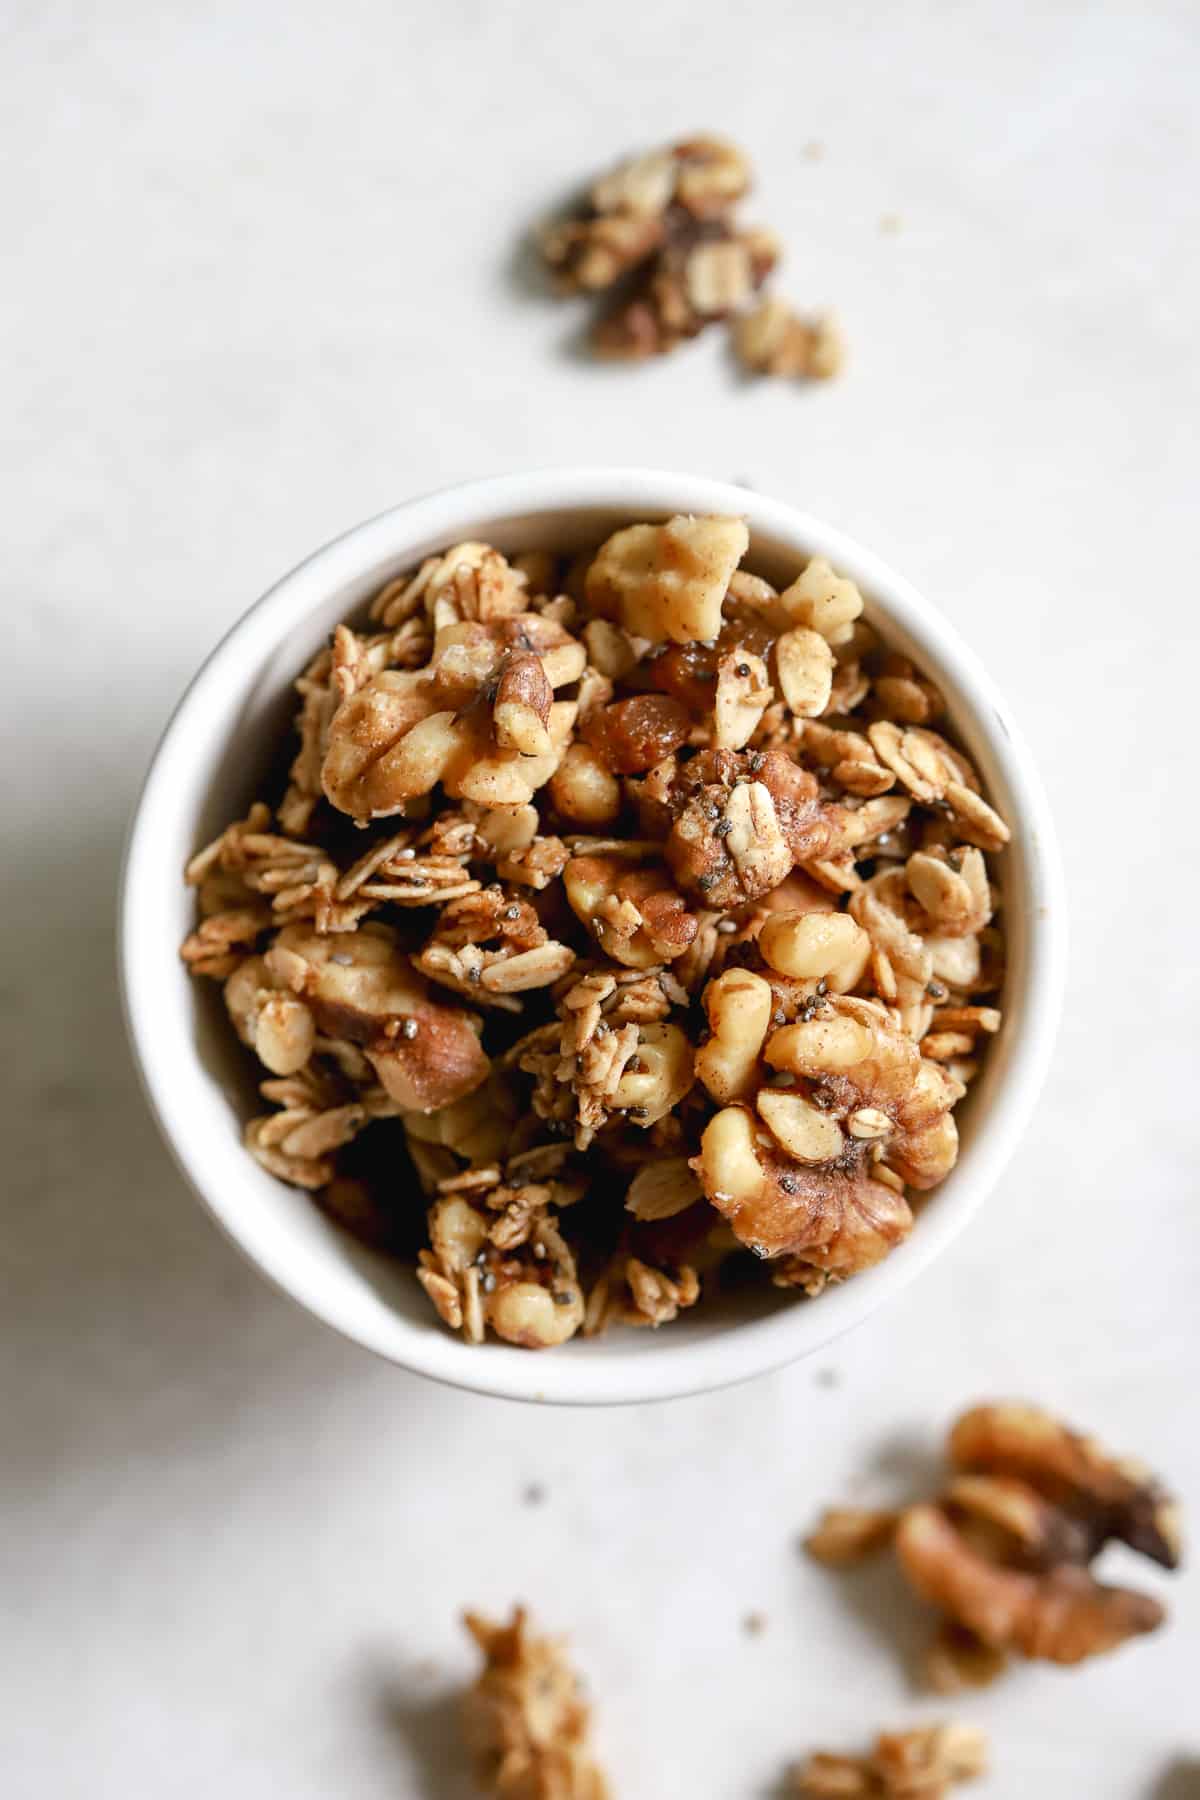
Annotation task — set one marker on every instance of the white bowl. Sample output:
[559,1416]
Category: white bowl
[227,730]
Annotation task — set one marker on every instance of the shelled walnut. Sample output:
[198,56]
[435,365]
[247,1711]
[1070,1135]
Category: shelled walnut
[1004,1552]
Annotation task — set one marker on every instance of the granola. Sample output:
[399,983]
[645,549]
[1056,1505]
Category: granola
[1004,1552]
[625,923]
[658,237]
[525,1722]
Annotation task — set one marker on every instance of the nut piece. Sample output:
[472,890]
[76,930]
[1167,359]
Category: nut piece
[816,946]
[800,1128]
[524,1721]
[921,1764]
[359,987]
[584,789]
[666,582]
[738,1005]
[822,601]
[771,339]
[634,914]
[1113,1497]
[1063,1615]
[847,1535]
[522,708]
[1003,1552]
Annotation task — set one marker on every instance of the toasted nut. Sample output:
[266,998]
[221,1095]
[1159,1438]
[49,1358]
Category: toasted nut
[648,1093]
[528,1314]
[821,600]
[846,1535]
[804,1131]
[805,665]
[738,1004]
[522,707]
[821,1046]
[1117,1497]
[1064,1615]
[584,789]
[730,1169]
[667,582]
[816,946]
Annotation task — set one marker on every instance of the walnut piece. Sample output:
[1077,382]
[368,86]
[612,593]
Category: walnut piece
[525,1722]
[921,1764]
[1004,1551]
[666,583]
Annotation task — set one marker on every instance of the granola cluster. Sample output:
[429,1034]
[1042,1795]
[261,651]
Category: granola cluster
[524,1720]
[640,907]
[658,237]
[1004,1552]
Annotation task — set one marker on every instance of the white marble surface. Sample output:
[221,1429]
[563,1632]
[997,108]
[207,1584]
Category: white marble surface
[260,285]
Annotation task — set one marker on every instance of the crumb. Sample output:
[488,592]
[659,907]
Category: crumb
[813,151]
[828,1378]
[890,224]
[533,1494]
[754,1624]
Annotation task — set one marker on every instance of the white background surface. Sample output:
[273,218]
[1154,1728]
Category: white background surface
[260,284]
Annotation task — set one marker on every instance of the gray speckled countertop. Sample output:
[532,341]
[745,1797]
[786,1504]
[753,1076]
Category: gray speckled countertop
[260,285]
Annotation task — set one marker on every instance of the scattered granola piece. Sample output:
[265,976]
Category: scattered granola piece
[921,1764]
[660,231]
[525,1722]
[771,339]
[1004,1551]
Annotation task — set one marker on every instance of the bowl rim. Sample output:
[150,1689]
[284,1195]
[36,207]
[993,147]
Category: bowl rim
[638,1373]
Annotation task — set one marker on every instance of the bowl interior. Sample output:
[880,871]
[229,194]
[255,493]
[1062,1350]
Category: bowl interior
[215,757]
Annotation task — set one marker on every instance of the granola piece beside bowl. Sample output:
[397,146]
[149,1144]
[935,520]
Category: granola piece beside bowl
[567,778]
